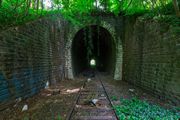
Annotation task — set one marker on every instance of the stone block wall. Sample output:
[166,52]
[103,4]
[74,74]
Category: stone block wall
[151,57]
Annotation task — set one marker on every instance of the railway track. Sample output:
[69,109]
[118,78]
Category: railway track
[92,103]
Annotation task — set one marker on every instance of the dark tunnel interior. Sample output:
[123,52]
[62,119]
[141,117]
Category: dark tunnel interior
[93,42]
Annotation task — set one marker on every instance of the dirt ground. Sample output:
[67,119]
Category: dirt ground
[121,89]
[45,106]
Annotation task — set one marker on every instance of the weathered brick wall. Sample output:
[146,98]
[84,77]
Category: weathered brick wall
[132,51]
[152,57]
[34,53]
[30,55]
[24,63]
[58,36]
[40,51]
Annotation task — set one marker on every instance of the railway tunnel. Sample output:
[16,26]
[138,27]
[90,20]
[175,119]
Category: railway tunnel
[93,43]
[37,60]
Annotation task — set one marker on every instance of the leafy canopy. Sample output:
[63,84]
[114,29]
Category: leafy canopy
[13,12]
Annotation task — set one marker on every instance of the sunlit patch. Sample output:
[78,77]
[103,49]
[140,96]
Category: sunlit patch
[97,4]
[47,4]
[70,91]
[93,62]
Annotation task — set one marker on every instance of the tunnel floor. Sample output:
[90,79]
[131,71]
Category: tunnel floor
[52,105]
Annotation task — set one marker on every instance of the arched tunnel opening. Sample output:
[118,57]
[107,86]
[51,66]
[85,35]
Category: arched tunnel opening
[93,43]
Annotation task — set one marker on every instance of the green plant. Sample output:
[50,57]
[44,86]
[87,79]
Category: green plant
[15,12]
[114,98]
[26,118]
[135,109]
[59,116]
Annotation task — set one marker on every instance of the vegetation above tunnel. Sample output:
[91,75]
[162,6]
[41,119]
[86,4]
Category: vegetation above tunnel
[14,12]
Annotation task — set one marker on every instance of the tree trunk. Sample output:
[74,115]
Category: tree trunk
[105,5]
[176,8]
[0,3]
[37,6]
[42,4]
[96,5]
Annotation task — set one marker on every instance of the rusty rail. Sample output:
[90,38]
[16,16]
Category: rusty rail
[70,115]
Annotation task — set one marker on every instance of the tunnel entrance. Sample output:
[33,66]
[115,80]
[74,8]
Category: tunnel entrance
[93,43]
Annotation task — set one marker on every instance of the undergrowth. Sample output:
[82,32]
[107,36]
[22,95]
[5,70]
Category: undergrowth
[135,109]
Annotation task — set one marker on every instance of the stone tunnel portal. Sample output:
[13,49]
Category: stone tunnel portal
[93,42]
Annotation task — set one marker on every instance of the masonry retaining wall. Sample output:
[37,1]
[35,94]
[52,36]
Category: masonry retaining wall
[152,57]
[30,55]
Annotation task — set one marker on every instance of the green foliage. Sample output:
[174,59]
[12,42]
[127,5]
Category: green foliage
[14,12]
[59,116]
[26,118]
[114,98]
[135,109]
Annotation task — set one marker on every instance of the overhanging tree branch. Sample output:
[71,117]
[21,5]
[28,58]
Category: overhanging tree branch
[176,7]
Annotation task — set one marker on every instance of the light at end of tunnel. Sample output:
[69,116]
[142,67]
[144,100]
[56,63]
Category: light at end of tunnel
[93,62]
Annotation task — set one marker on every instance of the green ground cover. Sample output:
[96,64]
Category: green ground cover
[135,109]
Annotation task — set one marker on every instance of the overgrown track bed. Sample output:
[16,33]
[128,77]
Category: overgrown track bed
[93,103]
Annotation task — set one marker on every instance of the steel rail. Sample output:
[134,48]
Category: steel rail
[108,98]
[77,99]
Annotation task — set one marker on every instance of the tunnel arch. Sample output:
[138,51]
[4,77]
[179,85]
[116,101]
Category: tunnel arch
[93,42]
[118,48]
